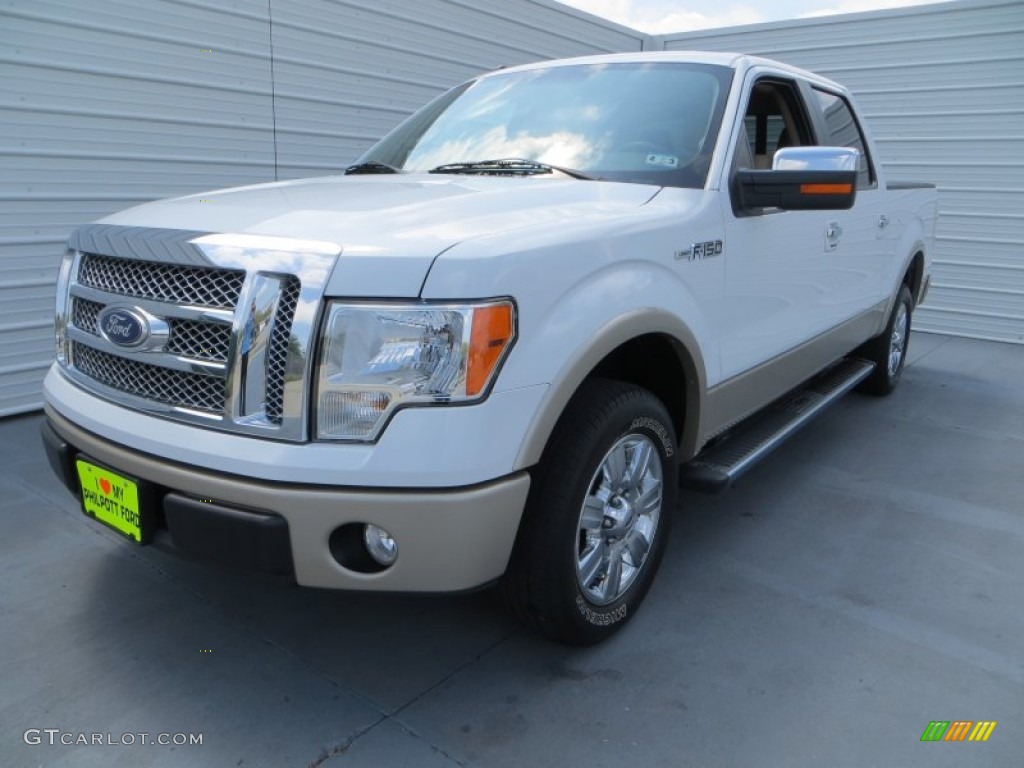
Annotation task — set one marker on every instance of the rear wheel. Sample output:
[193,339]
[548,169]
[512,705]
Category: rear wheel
[598,515]
[888,351]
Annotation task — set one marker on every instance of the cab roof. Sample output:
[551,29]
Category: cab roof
[738,61]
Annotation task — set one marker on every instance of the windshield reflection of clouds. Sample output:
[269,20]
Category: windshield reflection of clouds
[606,119]
[572,150]
[490,103]
[556,127]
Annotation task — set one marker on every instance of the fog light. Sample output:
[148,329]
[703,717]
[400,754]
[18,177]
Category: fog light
[380,544]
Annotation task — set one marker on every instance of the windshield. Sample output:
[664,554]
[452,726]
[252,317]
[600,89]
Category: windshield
[643,122]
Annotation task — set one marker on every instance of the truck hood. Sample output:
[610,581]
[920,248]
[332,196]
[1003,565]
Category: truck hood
[390,228]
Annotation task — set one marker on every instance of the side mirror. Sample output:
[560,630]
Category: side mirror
[802,178]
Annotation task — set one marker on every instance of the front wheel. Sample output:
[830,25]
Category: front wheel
[888,351]
[598,515]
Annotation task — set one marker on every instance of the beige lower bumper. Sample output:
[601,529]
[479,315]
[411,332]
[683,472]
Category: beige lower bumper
[448,540]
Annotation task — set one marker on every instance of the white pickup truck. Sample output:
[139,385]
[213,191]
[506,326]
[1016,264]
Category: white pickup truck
[493,349]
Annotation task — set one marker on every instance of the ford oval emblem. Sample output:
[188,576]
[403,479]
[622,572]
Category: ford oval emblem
[123,326]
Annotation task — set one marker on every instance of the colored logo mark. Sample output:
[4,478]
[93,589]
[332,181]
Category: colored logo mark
[958,730]
[123,327]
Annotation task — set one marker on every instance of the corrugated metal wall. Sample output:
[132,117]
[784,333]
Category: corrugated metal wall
[109,103]
[346,72]
[113,102]
[942,87]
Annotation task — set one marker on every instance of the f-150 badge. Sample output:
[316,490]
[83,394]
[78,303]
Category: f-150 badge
[697,251]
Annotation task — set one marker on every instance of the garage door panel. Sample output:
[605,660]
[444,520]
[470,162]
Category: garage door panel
[926,150]
[994,123]
[970,324]
[969,99]
[1006,227]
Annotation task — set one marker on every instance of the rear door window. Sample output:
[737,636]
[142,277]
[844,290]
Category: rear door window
[843,131]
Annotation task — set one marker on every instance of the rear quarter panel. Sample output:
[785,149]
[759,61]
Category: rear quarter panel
[914,211]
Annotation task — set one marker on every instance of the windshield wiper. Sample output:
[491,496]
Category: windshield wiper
[513,166]
[370,167]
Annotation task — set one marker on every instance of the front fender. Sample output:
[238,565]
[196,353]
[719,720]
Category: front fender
[563,343]
[587,287]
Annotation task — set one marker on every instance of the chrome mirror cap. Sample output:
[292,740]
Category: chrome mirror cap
[816,159]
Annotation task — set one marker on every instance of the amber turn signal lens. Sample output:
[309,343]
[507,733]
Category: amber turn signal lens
[491,334]
[826,189]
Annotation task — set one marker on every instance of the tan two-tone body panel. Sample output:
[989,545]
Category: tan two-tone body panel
[431,559]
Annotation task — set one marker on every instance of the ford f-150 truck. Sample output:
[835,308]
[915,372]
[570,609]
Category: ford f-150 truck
[494,347]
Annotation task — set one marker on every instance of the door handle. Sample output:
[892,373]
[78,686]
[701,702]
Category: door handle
[832,234]
[883,221]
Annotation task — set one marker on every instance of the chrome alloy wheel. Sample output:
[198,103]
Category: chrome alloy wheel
[898,340]
[619,519]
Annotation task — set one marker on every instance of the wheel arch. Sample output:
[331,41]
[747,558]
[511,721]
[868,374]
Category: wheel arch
[636,348]
[913,275]
[913,268]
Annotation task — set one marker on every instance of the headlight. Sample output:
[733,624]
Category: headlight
[376,358]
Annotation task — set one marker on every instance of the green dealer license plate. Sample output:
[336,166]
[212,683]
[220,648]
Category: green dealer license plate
[111,499]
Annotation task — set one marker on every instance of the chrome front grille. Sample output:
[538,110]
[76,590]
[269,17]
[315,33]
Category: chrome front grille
[203,341]
[227,323]
[277,361]
[173,283]
[122,282]
[84,314]
[151,382]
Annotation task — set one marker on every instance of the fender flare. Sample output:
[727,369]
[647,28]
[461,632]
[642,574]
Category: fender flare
[916,248]
[608,338]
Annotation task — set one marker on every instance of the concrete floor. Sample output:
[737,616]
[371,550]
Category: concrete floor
[865,580]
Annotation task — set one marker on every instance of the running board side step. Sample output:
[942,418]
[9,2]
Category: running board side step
[718,466]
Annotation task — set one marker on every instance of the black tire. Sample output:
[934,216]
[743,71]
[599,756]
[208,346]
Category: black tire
[558,545]
[888,351]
